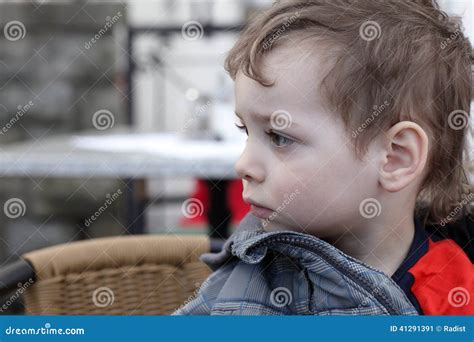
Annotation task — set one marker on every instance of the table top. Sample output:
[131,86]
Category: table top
[120,153]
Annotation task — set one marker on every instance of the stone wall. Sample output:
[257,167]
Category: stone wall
[59,64]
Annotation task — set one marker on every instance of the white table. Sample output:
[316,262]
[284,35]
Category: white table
[121,153]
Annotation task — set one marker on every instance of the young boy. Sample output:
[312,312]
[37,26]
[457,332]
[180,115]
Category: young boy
[357,118]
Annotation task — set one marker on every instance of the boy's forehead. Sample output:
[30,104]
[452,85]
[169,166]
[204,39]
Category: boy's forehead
[295,84]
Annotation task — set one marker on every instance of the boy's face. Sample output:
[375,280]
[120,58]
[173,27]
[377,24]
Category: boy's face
[298,160]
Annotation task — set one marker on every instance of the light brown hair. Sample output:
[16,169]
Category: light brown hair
[407,58]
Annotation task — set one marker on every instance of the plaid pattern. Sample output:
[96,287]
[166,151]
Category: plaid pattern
[290,273]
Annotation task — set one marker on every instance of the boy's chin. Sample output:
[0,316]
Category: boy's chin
[274,226]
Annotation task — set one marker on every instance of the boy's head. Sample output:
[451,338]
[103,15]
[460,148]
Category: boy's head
[366,106]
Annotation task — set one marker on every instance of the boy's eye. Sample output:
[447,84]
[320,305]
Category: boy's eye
[280,140]
[242,128]
[277,139]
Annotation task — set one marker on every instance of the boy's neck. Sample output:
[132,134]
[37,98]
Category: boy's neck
[383,245]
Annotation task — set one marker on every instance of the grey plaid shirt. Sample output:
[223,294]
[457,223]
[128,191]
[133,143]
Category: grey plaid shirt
[290,273]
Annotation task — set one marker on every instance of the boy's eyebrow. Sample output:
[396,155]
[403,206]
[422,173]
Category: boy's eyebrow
[259,117]
[264,118]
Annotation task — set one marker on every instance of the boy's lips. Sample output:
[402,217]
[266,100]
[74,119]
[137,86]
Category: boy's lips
[258,210]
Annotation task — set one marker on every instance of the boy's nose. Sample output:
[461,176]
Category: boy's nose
[249,166]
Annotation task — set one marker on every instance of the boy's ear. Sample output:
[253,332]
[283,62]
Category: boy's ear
[405,153]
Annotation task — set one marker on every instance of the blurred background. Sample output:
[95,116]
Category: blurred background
[117,118]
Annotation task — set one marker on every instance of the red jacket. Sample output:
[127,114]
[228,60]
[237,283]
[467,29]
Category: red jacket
[438,273]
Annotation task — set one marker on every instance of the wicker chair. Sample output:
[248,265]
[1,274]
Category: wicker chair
[129,275]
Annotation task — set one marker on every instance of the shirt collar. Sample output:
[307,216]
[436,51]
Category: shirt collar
[418,248]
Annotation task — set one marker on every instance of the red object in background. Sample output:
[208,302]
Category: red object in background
[235,203]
